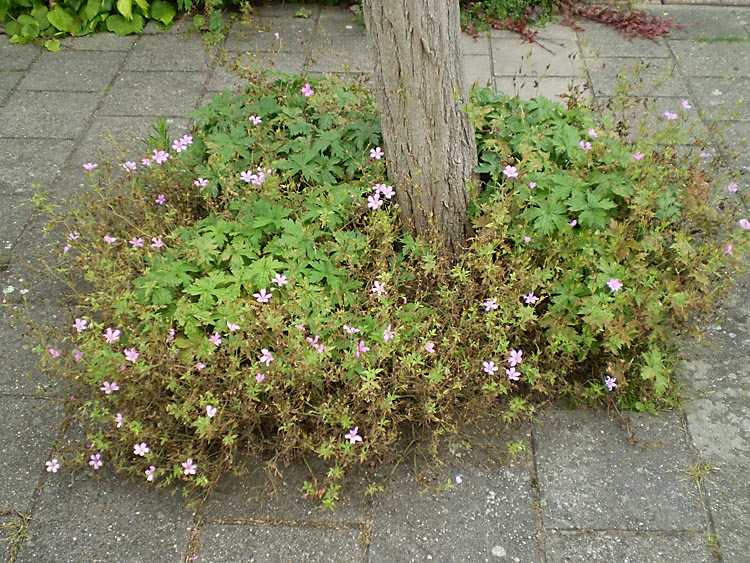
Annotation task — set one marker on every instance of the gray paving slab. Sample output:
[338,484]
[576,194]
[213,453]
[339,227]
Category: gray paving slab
[29,427]
[279,544]
[643,77]
[8,527]
[33,161]
[275,61]
[488,514]
[338,20]
[266,9]
[70,71]
[599,41]
[712,59]
[99,42]
[591,477]
[48,115]
[475,45]
[15,211]
[223,78]
[106,518]
[295,35]
[154,94]
[722,99]
[169,53]
[528,87]
[703,23]
[342,53]
[8,81]
[727,491]
[735,143]
[515,57]
[477,69]
[611,548]
[17,57]
[259,496]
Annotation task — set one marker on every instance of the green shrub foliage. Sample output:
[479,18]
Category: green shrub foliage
[249,290]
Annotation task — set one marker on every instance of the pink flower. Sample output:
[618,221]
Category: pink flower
[54,353]
[141,449]
[136,242]
[732,187]
[161,199]
[361,349]
[129,166]
[170,337]
[614,284]
[211,411]
[609,381]
[78,355]
[110,240]
[374,202]
[350,329]
[592,133]
[685,105]
[73,236]
[131,355]
[728,249]
[160,157]
[387,191]
[112,335]
[513,374]
[745,224]
[189,467]
[262,296]
[232,327]
[638,156]
[670,116]
[280,280]
[527,239]
[200,183]
[300,327]
[530,299]
[573,223]
[90,166]
[378,288]
[182,143]
[705,154]
[459,479]
[307,91]
[532,185]
[489,367]
[247,176]
[200,366]
[376,153]
[388,334]
[255,120]
[80,325]
[260,377]
[96,461]
[118,420]
[510,171]
[585,145]
[109,388]
[156,242]
[150,473]
[353,435]
[215,339]
[53,466]
[265,357]
[429,347]
[490,304]
[515,357]
[146,162]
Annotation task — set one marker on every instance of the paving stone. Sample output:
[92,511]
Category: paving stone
[15,216]
[223,78]
[729,503]
[181,25]
[718,422]
[77,518]
[487,514]
[475,45]
[28,429]
[71,71]
[722,99]
[602,41]
[701,22]
[338,20]
[712,59]
[614,548]
[280,62]
[258,496]
[295,35]
[50,115]
[99,42]
[8,81]
[556,32]
[17,57]
[151,94]
[31,161]
[477,70]
[285,10]
[592,478]
[527,87]
[8,526]
[347,53]
[168,52]
[515,57]
[641,77]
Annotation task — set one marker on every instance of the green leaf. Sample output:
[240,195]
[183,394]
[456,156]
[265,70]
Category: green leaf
[143,5]
[119,25]
[163,12]
[52,45]
[548,216]
[63,20]
[92,9]
[125,7]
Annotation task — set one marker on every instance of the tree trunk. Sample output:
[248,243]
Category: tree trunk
[430,146]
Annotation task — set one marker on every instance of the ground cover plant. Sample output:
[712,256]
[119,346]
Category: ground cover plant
[247,290]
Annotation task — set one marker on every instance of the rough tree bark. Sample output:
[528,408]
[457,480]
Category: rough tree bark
[430,146]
